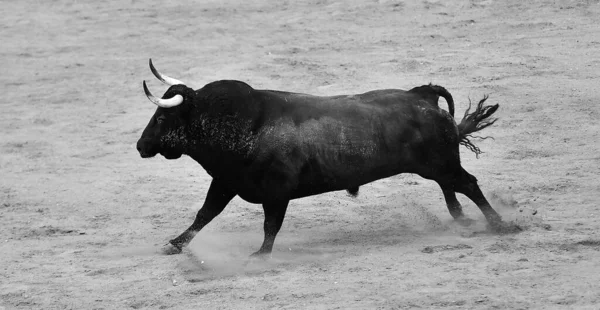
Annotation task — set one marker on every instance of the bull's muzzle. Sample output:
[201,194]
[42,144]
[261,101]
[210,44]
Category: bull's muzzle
[146,148]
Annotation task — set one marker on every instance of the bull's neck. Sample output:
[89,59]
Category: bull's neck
[215,142]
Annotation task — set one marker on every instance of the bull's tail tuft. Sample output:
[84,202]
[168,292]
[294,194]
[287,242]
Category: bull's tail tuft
[474,122]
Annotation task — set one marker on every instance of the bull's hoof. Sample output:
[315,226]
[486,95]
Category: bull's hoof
[257,258]
[505,228]
[464,221]
[171,249]
[260,255]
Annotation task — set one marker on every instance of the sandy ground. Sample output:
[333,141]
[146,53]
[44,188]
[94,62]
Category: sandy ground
[83,217]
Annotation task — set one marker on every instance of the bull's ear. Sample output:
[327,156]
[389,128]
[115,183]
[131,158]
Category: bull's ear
[185,109]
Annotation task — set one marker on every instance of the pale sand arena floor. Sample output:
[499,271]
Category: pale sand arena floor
[82,216]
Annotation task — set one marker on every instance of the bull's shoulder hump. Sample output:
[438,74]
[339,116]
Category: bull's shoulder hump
[226,86]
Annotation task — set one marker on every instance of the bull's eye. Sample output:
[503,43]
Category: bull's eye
[160,119]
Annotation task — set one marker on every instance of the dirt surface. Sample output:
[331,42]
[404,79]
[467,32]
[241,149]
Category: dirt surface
[83,217]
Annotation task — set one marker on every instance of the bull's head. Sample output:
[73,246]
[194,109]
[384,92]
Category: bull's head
[166,131]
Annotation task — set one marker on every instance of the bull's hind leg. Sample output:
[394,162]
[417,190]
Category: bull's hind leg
[274,215]
[453,205]
[217,197]
[467,185]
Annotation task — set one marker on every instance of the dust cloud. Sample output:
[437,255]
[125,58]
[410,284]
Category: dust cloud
[215,254]
[513,211]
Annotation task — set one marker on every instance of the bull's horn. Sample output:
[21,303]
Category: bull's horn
[163,103]
[163,78]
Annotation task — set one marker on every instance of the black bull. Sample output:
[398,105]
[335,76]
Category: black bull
[270,146]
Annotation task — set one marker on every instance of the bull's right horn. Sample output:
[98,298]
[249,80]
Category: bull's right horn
[163,78]
[163,103]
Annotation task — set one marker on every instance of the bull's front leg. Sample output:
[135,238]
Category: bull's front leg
[217,197]
[274,215]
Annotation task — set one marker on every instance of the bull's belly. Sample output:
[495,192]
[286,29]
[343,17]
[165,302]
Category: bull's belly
[315,178]
[346,175]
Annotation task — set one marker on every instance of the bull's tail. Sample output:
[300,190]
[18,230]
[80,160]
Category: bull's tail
[474,122]
[433,92]
[446,95]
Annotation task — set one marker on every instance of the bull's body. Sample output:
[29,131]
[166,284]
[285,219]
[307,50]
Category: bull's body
[270,147]
[298,145]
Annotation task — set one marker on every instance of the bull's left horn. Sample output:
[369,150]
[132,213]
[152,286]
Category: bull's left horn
[163,78]
[163,103]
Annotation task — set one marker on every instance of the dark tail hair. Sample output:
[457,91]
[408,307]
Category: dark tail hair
[474,122]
